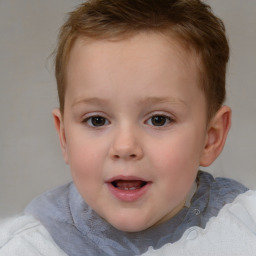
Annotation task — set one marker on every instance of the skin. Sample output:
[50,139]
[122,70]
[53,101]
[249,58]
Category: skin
[151,125]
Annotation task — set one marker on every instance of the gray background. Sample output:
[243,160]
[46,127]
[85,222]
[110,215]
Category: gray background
[30,157]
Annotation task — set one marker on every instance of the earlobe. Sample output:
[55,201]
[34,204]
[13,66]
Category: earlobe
[216,135]
[59,126]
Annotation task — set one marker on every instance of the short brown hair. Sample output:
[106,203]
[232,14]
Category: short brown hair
[191,21]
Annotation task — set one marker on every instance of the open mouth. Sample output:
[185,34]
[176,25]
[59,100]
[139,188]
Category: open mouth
[128,185]
[128,188]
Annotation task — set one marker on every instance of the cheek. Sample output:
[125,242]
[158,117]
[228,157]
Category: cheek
[84,157]
[86,170]
[179,155]
[177,167]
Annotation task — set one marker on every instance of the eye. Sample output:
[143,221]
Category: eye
[159,120]
[96,121]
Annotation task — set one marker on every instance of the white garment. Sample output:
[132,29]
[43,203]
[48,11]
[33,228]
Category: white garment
[25,236]
[231,233]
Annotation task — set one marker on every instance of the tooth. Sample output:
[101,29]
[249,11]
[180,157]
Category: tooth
[127,189]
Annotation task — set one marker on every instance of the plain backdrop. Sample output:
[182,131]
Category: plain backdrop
[30,157]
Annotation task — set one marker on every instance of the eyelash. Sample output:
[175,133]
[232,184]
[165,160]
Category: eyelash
[167,120]
[164,118]
[88,121]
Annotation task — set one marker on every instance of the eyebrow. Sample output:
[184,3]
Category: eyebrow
[92,101]
[143,101]
[159,100]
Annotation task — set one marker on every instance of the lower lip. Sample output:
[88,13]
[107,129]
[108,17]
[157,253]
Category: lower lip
[128,195]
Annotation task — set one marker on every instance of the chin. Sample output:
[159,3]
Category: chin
[130,225]
[131,229]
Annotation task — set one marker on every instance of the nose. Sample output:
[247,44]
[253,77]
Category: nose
[126,145]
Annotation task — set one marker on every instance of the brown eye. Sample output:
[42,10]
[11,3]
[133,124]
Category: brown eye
[159,120]
[96,121]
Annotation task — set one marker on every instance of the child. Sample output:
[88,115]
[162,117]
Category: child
[141,88]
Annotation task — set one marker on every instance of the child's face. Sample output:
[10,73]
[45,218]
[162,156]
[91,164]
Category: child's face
[134,127]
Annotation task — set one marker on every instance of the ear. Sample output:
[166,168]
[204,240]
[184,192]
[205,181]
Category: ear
[59,125]
[216,135]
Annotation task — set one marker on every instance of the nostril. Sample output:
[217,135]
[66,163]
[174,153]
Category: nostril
[131,156]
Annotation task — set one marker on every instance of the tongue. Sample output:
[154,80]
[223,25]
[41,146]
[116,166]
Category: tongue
[129,184]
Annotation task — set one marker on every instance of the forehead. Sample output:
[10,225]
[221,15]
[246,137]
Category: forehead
[142,46]
[141,60]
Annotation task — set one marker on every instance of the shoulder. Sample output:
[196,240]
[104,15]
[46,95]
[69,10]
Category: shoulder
[24,235]
[228,187]
[232,232]
[53,204]
[218,191]
[220,185]
[213,194]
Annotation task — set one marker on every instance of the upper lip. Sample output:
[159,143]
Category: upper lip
[123,177]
